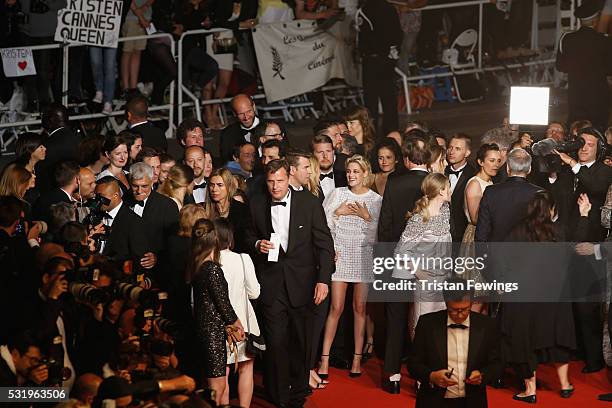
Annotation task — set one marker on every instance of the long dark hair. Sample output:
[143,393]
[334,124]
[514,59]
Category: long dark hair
[27,143]
[537,226]
[203,243]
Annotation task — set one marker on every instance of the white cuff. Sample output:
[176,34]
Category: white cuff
[576,168]
[33,243]
[597,252]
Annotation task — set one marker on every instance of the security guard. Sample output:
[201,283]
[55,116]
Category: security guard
[586,56]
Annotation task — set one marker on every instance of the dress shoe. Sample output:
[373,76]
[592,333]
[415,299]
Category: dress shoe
[529,399]
[567,393]
[605,397]
[590,370]
[392,387]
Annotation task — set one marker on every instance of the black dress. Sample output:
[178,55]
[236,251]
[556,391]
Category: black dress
[537,332]
[213,311]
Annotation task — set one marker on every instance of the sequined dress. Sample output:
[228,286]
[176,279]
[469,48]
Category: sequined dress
[213,311]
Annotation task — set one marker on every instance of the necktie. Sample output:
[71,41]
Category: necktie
[323,176]
[457,326]
[454,172]
[198,186]
[275,203]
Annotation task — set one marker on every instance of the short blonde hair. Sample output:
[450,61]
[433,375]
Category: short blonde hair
[188,216]
[364,164]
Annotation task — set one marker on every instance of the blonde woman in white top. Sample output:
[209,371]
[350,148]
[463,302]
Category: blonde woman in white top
[239,273]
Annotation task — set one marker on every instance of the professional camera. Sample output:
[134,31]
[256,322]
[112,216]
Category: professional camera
[170,327]
[56,371]
[90,294]
[131,292]
[96,213]
[546,160]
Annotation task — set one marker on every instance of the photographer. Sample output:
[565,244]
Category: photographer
[18,244]
[20,363]
[127,239]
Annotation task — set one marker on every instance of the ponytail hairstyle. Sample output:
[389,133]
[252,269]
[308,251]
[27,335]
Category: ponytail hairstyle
[431,186]
[203,243]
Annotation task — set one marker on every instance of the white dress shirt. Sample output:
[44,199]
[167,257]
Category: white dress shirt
[457,343]
[280,220]
[578,166]
[139,209]
[454,178]
[199,195]
[248,135]
[328,184]
[108,222]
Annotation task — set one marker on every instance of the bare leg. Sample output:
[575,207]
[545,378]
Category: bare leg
[245,383]
[360,297]
[563,374]
[338,293]
[125,70]
[134,69]
[369,332]
[530,386]
[225,396]
[218,385]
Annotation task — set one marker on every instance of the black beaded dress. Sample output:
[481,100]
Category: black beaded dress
[213,311]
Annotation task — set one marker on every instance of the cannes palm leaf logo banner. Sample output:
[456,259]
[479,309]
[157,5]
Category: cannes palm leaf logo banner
[299,56]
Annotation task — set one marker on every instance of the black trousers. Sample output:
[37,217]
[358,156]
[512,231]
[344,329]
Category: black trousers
[589,326]
[315,331]
[379,83]
[396,339]
[285,330]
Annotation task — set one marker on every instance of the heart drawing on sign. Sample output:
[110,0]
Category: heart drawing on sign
[22,65]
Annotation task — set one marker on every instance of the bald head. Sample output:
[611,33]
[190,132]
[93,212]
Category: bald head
[244,109]
[109,188]
[86,387]
[87,183]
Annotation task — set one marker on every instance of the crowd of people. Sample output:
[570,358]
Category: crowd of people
[132,275]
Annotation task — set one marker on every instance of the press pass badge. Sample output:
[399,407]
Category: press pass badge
[273,253]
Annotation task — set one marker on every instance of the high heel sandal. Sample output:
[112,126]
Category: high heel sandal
[367,352]
[324,376]
[352,374]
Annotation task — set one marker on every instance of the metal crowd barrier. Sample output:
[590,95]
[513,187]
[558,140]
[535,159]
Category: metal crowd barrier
[197,103]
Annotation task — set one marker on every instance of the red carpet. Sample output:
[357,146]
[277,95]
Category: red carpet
[365,391]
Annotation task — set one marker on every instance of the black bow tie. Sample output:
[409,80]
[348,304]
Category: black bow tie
[137,203]
[455,172]
[457,326]
[330,175]
[274,203]
[198,186]
[107,216]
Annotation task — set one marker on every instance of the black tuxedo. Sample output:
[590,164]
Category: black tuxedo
[458,221]
[430,353]
[502,207]
[42,210]
[160,217]
[62,145]
[287,289]
[256,185]
[401,193]
[232,136]
[128,237]
[152,136]
[340,170]
[240,218]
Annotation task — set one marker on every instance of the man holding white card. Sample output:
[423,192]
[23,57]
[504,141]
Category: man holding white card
[294,267]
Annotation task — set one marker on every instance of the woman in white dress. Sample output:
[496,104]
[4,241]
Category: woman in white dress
[427,237]
[489,161]
[242,283]
[352,216]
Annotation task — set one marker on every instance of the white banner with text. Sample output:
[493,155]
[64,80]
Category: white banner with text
[91,22]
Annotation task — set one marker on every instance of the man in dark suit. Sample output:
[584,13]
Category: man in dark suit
[504,205]
[62,144]
[67,180]
[401,194]
[19,363]
[159,213]
[590,176]
[200,161]
[459,171]
[455,353]
[586,56]
[292,283]
[137,111]
[241,131]
[332,174]
[127,239]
